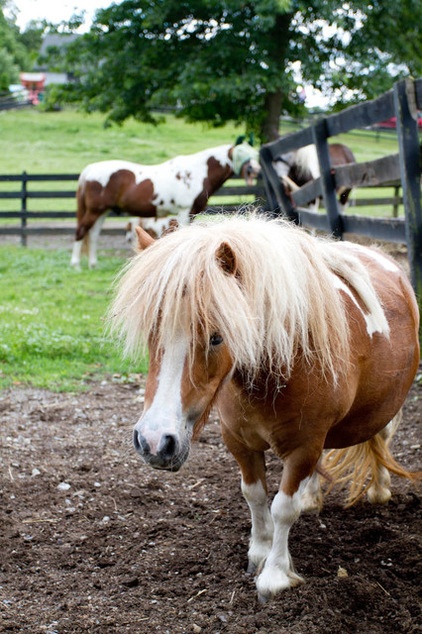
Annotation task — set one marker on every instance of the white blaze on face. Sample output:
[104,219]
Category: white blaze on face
[165,414]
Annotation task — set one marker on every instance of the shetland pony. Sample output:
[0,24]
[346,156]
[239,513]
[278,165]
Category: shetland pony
[180,187]
[301,343]
[299,167]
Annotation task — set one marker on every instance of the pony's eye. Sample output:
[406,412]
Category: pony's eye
[216,339]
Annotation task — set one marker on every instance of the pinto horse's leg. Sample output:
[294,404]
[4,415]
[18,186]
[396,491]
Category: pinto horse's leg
[94,234]
[76,254]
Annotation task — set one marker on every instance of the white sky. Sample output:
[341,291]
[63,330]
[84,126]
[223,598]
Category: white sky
[56,10]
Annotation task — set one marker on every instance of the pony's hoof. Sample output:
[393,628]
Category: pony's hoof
[264,598]
[380,495]
[252,568]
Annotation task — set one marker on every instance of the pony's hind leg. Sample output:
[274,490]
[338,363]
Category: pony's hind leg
[379,491]
[312,498]
[366,467]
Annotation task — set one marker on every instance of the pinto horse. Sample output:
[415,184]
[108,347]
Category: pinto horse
[179,187]
[301,343]
[301,166]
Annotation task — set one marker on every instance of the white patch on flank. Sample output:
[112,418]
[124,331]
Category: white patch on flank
[165,414]
[373,324]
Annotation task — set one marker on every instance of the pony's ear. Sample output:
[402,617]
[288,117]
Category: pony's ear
[144,239]
[226,258]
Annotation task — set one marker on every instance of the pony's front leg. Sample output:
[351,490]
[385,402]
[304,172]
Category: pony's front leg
[261,538]
[278,572]
[254,489]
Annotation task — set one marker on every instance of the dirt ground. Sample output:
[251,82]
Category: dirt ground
[92,540]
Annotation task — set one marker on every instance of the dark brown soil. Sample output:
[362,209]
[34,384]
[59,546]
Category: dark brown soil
[94,541]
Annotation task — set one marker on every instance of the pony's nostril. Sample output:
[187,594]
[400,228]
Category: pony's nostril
[168,446]
[140,443]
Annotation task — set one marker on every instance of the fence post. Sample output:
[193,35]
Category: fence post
[410,172]
[277,201]
[23,209]
[396,201]
[319,134]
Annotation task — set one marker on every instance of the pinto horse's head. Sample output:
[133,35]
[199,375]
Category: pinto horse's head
[246,162]
[179,393]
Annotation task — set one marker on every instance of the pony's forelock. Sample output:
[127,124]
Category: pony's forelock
[280,301]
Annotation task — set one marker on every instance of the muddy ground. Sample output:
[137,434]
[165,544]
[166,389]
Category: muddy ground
[91,540]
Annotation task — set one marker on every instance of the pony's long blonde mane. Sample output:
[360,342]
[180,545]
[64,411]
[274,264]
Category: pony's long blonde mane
[282,299]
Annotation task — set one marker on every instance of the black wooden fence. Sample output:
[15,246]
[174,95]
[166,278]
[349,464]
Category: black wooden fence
[227,199]
[403,102]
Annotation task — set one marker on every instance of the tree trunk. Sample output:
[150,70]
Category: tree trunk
[270,125]
[278,43]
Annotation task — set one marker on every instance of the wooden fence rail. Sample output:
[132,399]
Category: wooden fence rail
[231,192]
[404,168]
[231,195]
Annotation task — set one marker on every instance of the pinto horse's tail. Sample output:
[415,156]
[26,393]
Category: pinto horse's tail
[366,467]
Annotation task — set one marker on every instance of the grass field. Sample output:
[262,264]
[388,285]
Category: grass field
[52,331]
[51,328]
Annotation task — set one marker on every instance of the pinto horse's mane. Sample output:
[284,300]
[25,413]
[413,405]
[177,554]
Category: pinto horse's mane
[280,300]
[306,160]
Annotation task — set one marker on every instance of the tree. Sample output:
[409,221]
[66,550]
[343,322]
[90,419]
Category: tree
[13,54]
[220,60]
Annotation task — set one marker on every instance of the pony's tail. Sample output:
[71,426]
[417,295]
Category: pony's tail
[366,468]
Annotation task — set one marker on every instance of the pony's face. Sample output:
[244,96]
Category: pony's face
[181,387]
[250,171]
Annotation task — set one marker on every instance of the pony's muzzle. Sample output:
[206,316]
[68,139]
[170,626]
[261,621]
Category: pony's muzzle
[168,454]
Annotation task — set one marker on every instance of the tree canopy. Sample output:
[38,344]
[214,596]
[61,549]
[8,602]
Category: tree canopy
[220,60]
[17,50]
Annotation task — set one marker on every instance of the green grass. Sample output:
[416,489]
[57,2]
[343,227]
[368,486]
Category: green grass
[51,321]
[51,328]
[66,141]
